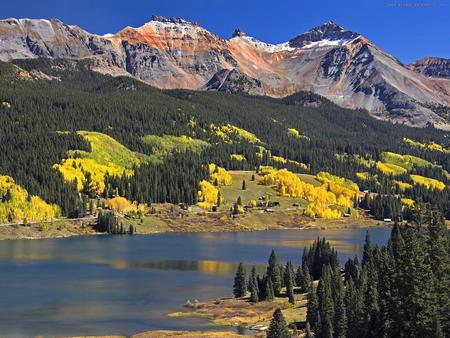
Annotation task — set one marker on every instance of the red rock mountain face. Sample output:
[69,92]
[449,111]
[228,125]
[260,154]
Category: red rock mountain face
[172,53]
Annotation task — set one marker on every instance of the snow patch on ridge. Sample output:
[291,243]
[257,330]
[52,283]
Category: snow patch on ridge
[328,43]
[265,47]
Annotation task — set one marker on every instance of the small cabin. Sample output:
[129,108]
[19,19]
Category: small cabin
[387,220]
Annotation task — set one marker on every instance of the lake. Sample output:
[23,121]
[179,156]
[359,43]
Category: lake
[99,285]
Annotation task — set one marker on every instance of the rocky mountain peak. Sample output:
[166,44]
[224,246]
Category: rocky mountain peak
[330,33]
[432,66]
[237,32]
[178,21]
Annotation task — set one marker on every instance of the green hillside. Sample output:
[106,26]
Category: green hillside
[186,122]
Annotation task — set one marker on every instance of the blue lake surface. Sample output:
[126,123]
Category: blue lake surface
[99,285]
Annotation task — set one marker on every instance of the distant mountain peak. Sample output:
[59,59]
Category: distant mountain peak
[178,21]
[238,32]
[330,33]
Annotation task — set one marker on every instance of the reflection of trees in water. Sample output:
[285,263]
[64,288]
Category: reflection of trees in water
[207,266]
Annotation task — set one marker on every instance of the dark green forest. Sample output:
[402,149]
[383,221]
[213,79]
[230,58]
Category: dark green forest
[400,289]
[71,97]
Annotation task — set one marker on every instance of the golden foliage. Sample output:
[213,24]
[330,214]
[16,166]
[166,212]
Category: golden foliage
[228,132]
[407,201]
[427,146]
[390,169]
[17,205]
[363,175]
[207,195]
[283,160]
[402,185]
[220,174]
[429,183]
[238,157]
[295,133]
[107,157]
[322,211]
[123,206]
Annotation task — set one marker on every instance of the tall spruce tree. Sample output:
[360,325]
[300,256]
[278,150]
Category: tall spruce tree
[273,272]
[312,311]
[438,244]
[240,283]
[269,294]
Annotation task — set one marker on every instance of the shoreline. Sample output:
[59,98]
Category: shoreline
[32,232]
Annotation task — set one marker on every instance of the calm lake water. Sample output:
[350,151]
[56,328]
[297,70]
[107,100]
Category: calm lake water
[102,285]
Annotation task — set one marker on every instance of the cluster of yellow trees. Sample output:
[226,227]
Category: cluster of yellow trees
[429,183]
[407,201]
[390,169]
[295,133]
[75,170]
[283,160]
[428,146]
[238,157]
[17,205]
[402,185]
[107,156]
[123,206]
[228,131]
[334,190]
[220,175]
[207,195]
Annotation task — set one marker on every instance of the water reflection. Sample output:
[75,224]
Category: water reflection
[125,284]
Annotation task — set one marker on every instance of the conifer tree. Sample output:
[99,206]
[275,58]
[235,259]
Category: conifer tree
[253,177]
[273,273]
[278,327]
[244,187]
[340,315]
[254,294]
[367,252]
[219,199]
[438,244]
[268,290]
[312,312]
[240,286]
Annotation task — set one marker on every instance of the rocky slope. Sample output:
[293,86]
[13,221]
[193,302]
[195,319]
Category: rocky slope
[432,66]
[341,65]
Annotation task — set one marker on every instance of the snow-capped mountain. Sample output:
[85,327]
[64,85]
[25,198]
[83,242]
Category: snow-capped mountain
[339,64]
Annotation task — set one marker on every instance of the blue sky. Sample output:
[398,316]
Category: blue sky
[408,31]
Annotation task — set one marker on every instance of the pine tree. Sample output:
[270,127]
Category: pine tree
[244,185]
[367,252]
[312,311]
[326,303]
[438,244]
[299,277]
[340,315]
[254,294]
[268,290]
[239,201]
[306,283]
[219,199]
[289,275]
[273,272]
[278,327]
[290,294]
[240,286]
[253,177]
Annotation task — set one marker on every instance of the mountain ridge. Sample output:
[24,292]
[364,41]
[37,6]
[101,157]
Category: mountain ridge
[169,53]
